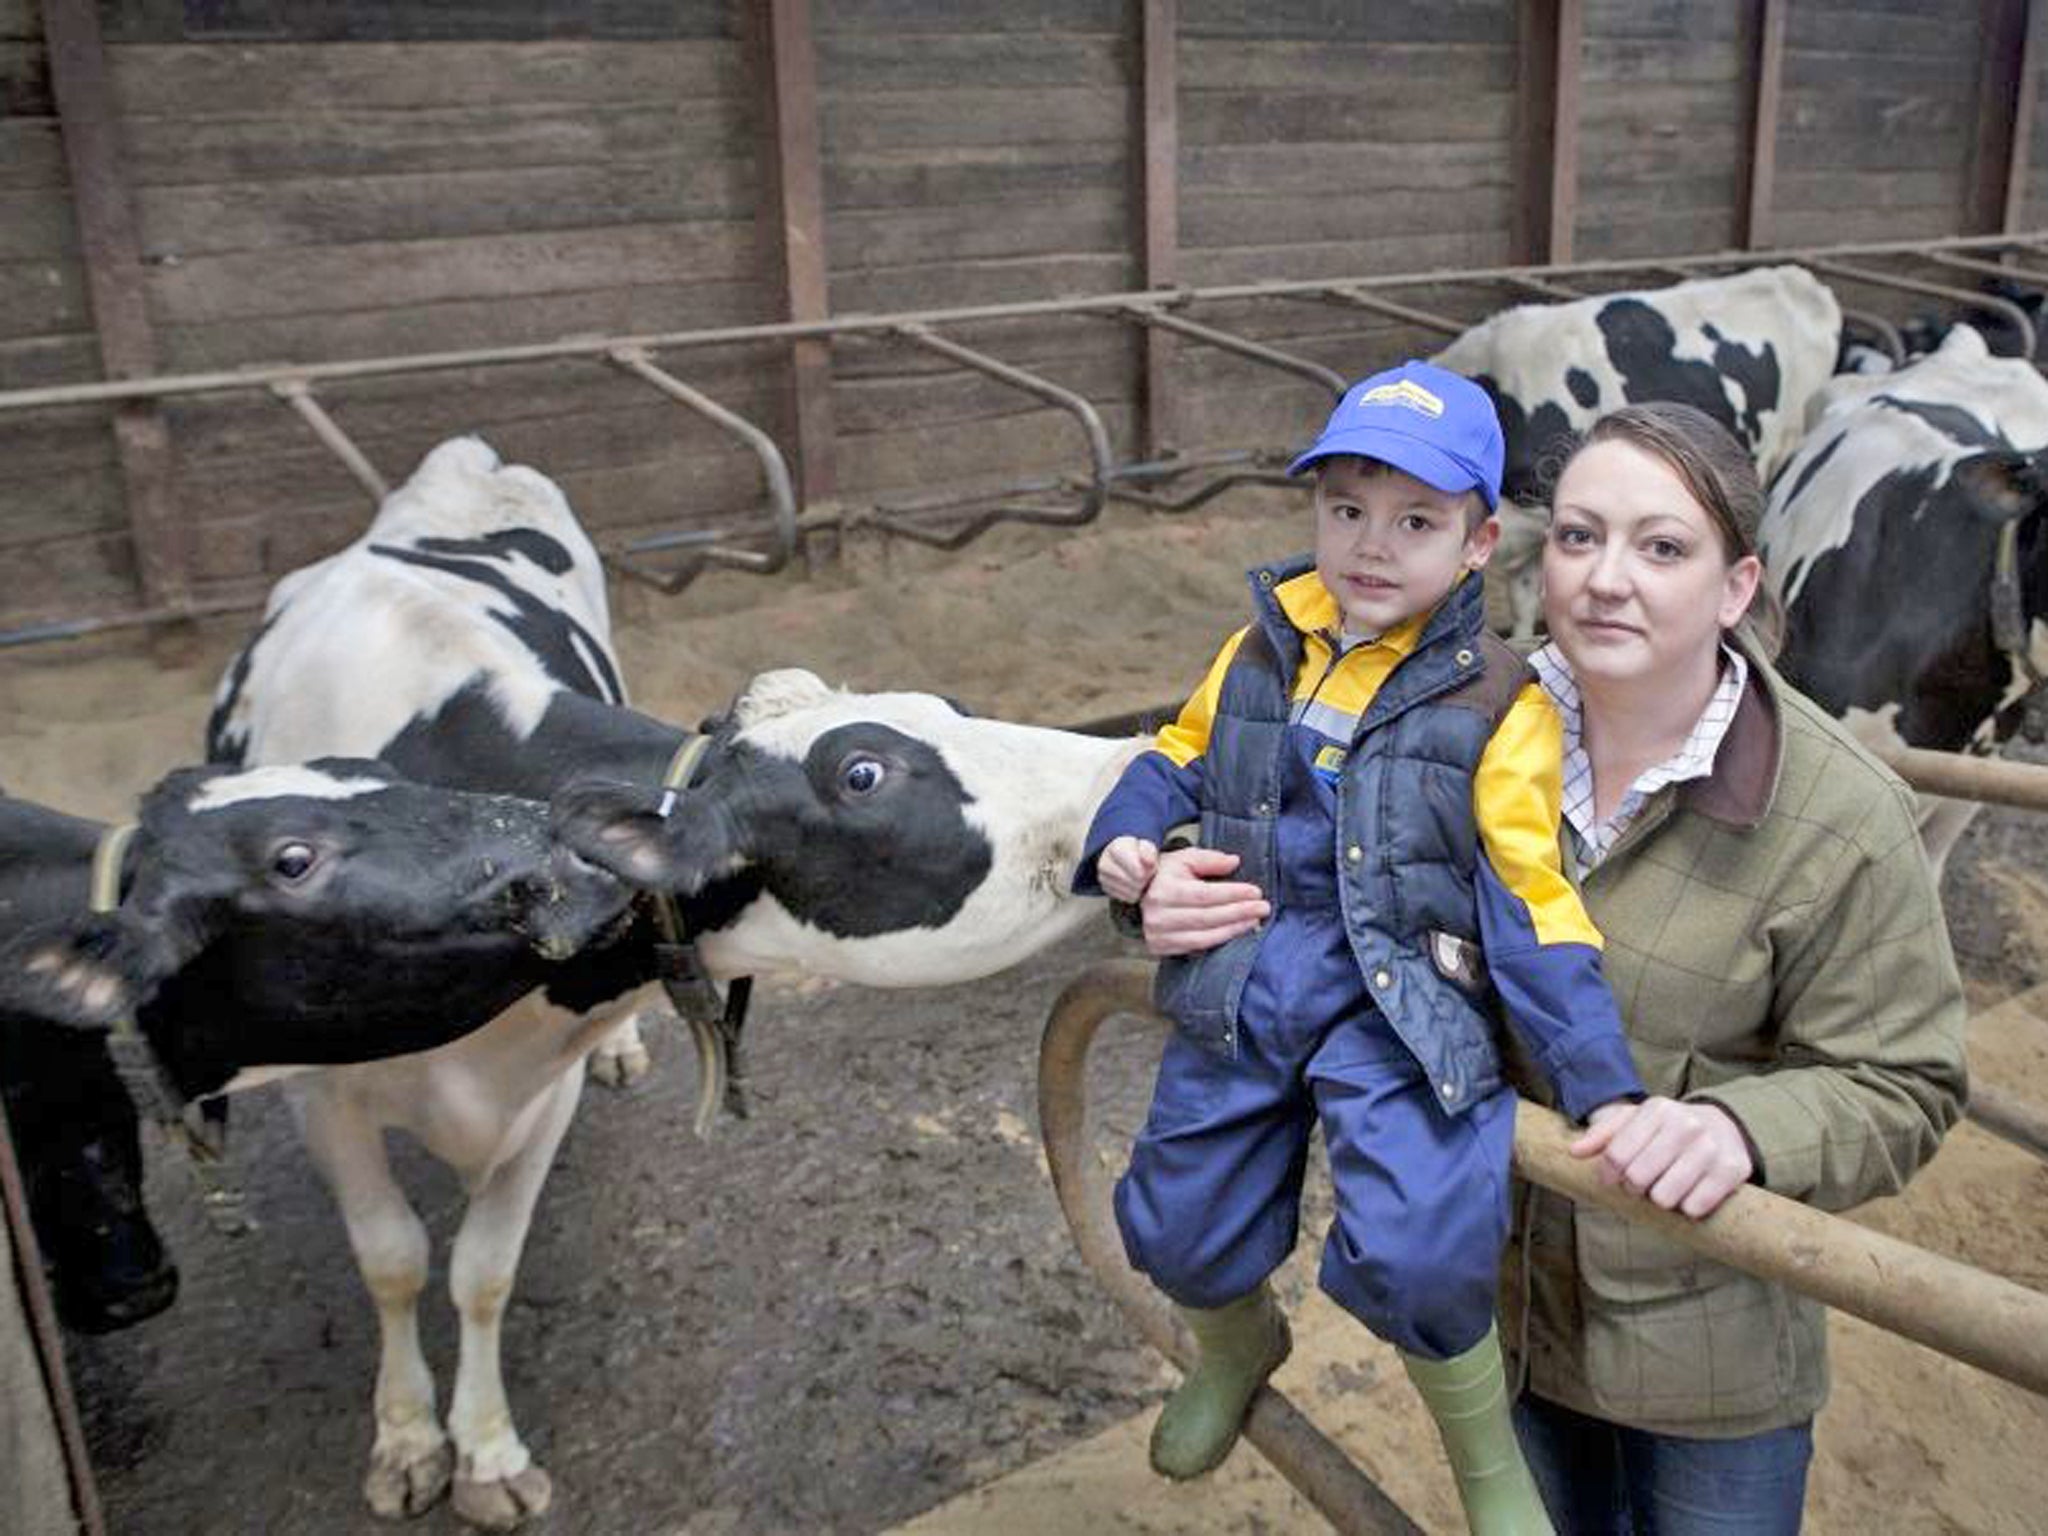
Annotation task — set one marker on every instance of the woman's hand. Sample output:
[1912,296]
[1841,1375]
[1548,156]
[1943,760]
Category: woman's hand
[1189,906]
[1685,1157]
[1125,868]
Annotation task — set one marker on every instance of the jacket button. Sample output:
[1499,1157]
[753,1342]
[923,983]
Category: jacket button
[1382,978]
[1354,853]
[1464,658]
[1450,1090]
[1263,808]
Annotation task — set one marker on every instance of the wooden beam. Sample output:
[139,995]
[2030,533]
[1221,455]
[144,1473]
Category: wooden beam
[2012,209]
[796,160]
[1766,83]
[2002,82]
[1161,199]
[114,279]
[1550,33]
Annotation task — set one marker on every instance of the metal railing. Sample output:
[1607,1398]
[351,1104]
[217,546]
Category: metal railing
[766,537]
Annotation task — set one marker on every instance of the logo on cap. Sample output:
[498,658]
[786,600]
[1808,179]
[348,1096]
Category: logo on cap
[1403,392]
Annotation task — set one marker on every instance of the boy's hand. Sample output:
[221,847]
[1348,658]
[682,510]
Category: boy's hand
[1126,867]
[1684,1157]
[1190,906]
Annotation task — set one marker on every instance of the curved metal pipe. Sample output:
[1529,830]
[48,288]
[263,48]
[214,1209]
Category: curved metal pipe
[774,471]
[1321,1471]
[2012,312]
[1243,346]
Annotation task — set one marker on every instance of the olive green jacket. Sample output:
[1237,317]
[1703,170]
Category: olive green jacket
[1776,945]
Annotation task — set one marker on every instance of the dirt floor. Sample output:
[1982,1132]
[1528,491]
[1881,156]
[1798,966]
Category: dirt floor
[862,1302]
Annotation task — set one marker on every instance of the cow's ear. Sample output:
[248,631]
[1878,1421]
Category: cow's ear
[2001,485]
[86,974]
[620,828]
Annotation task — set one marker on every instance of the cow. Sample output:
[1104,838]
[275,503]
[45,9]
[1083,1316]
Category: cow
[888,839]
[267,920]
[1750,350]
[1883,532]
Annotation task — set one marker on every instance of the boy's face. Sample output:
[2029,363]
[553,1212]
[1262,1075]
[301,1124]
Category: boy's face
[1389,547]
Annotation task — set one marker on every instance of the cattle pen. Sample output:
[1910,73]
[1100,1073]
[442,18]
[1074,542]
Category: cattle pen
[904,341]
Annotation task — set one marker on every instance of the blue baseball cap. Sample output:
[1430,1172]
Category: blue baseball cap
[1437,425]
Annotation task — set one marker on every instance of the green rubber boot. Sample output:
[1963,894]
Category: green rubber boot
[1467,1395]
[1242,1343]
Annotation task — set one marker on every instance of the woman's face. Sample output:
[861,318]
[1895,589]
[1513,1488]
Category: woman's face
[1637,585]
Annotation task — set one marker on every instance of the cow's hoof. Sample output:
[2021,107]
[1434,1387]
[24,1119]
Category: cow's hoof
[502,1503]
[620,1059]
[400,1487]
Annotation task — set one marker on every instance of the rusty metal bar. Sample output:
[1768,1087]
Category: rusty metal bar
[774,471]
[1429,320]
[298,394]
[1990,301]
[1543,288]
[1987,268]
[1243,346]
[1887,334]
[166,386]
[1159,83]
[88,121]
[1318,1468]
[1760,172]
[2011,1119]
[1094,491]
[1962,776]
[796,159]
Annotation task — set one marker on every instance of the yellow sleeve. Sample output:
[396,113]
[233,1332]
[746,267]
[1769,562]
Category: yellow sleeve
[1518,798]
[1188,737]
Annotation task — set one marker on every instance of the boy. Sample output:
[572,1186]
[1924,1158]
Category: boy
[1388,775]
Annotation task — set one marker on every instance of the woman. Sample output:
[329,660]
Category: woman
[1775,943]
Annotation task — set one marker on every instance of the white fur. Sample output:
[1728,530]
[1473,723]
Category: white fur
[392,641]
[275,782]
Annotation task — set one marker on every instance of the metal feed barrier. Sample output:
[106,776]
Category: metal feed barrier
[1965,1313]
[769,535]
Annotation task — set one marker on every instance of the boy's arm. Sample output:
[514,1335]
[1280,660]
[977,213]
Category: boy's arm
[1541,948]
[1163,786]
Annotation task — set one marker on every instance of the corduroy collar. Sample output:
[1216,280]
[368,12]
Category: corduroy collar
[1745,776]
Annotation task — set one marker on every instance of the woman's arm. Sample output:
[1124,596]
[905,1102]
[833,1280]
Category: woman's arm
[1869,1014]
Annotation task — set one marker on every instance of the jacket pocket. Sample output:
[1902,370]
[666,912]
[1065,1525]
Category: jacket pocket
[1672,1336]
[1459,961]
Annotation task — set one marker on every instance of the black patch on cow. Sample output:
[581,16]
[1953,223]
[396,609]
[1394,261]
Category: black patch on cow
[1584,387]
[549,633]
[466,744]
[540,548]
[1814,466]
[1900,613]
[218,748]
[1951,421]
[1533,440]
[1640,344]
[900,857]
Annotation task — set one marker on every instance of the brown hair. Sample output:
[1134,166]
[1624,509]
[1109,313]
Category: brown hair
[1720,476]
[1476,509]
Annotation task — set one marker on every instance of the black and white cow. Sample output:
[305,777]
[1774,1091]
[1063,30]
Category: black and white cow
[886,839]
[1882,534]
[1750,350]
[267,920]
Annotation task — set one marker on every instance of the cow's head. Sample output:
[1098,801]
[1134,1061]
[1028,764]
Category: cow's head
[884,838]
[339,854]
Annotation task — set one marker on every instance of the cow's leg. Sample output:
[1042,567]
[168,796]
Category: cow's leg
[1942,825]
[496,1483]
[620,1058]
[411,1461]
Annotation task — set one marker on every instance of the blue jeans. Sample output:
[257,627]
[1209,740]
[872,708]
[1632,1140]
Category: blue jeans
[1602,1479]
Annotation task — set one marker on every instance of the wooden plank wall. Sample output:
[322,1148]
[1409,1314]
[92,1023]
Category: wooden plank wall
[319,179]
[62,516]
[1322,139]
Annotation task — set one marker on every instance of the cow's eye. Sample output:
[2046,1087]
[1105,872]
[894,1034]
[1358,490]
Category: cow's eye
[862,775]
[293,861]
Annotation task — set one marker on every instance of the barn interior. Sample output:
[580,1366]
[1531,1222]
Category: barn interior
[941,346]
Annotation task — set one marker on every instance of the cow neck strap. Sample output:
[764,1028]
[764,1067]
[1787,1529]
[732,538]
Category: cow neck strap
[2009,629]
[148,1086]
[714,1021]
